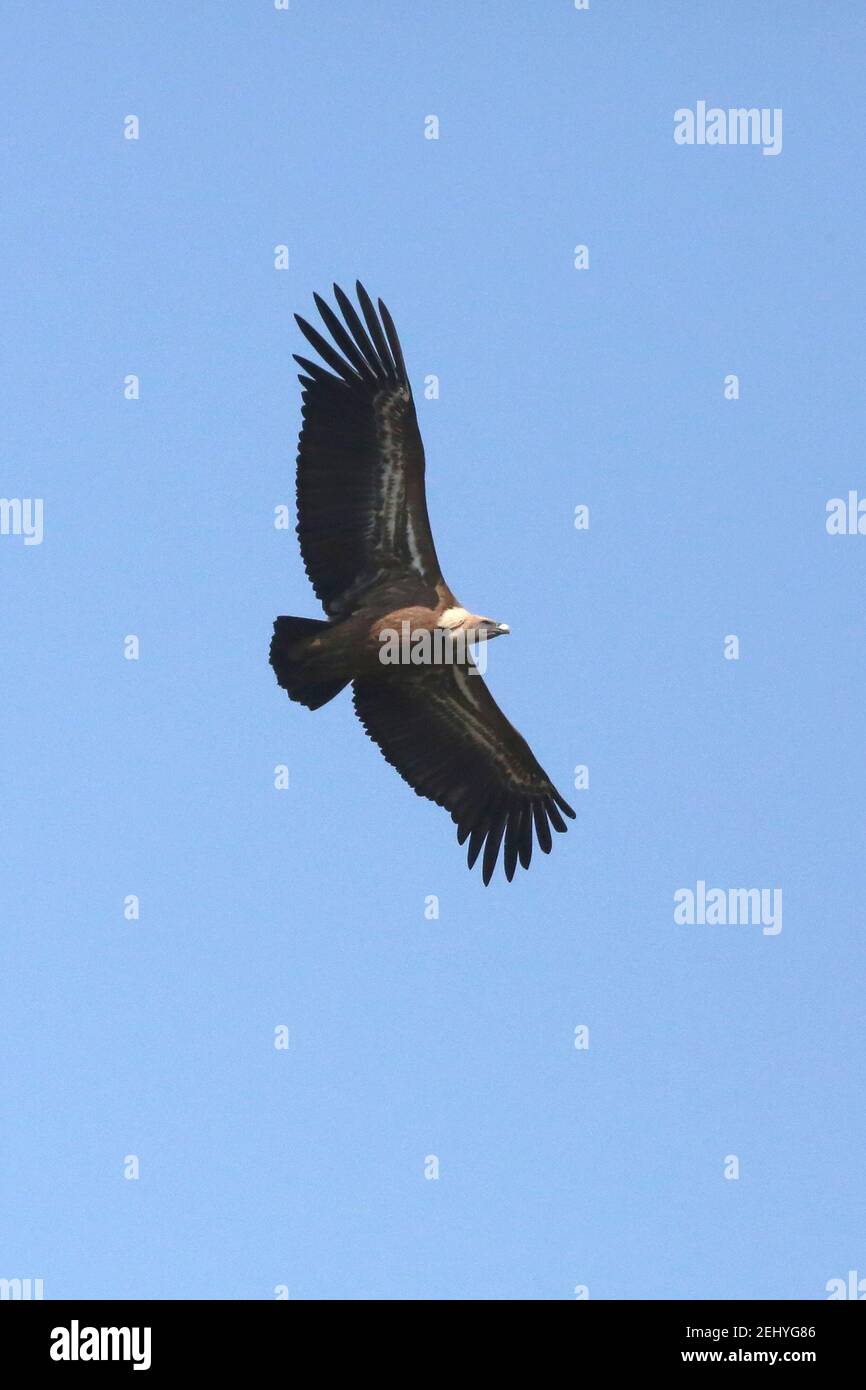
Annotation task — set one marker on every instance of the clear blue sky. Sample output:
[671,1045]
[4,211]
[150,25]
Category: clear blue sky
[305,908]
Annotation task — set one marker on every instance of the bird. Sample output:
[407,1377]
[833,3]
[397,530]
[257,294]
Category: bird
[393,628]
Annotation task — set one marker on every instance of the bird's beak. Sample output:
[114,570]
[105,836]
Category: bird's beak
[494,630]
[502,628]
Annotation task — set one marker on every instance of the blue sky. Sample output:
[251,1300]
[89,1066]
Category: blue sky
[409,1037]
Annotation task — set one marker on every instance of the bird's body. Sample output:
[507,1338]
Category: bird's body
[394,628]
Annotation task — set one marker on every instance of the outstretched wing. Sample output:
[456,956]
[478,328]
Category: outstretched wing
[440,727]
[362,510]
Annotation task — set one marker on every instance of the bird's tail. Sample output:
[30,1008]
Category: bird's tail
[295,663]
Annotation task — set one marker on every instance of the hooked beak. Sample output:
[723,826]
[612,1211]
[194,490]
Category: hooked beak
[491,629]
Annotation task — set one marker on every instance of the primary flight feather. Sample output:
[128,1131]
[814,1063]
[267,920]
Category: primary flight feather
[394,628]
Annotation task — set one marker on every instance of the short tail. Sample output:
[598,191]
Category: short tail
[294,665]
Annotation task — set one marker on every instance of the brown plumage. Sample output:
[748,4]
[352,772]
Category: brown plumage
[368,550]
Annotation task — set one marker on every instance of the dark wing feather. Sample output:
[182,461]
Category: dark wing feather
[362,508]
[440,727]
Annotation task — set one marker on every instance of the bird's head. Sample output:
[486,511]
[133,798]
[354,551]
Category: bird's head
[485,628]
[472,627]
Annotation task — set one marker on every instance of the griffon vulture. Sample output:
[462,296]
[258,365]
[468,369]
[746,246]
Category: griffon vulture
[369,553]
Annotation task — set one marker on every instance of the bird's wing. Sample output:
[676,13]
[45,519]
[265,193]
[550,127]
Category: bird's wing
[440,727]
[362,510]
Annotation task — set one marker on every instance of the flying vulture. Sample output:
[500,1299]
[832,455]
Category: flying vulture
[368,551]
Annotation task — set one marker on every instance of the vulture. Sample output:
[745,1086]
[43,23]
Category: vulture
[394,629]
